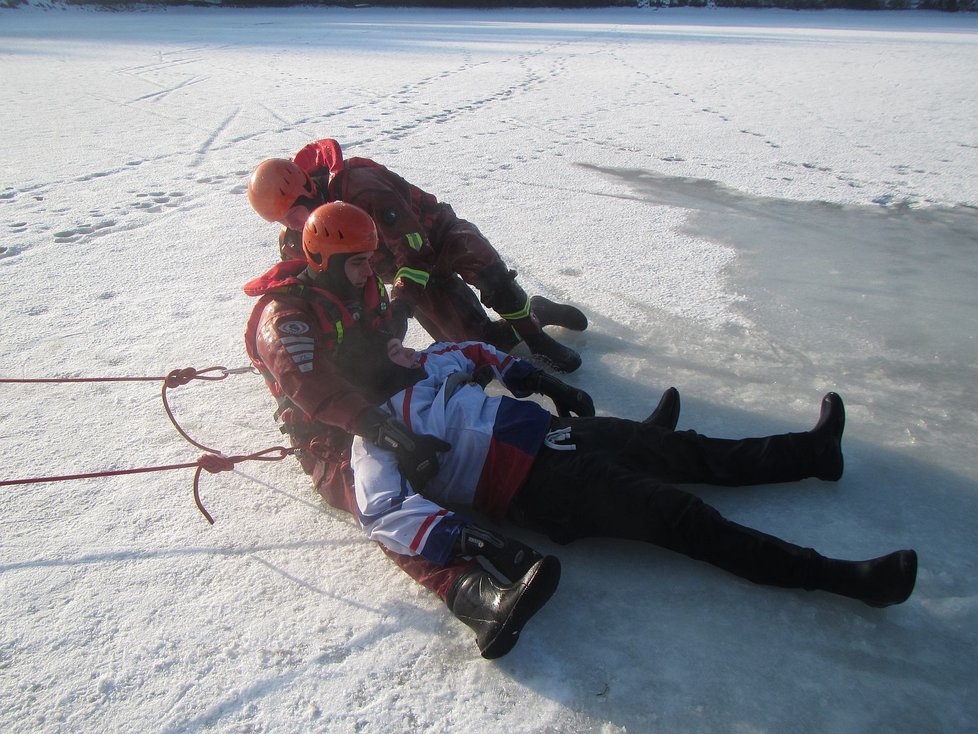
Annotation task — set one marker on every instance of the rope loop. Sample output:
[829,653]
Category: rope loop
[212,462]
[215,463]
[176,378]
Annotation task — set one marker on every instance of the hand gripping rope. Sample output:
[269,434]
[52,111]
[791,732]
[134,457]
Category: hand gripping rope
[213,461]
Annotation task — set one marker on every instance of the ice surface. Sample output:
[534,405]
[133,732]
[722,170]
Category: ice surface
[754,206]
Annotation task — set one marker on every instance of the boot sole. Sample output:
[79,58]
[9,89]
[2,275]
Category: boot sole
[549,313]
[544,577]
[548,364]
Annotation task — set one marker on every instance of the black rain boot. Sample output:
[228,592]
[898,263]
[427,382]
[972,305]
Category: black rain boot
[549,313]
[666,413]
[500,292]
[879,582]
[827,462]
[789,457]
[496,611]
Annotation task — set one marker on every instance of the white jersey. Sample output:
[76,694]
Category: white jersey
[494,442]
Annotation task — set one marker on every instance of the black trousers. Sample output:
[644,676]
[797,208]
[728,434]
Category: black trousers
[618,483]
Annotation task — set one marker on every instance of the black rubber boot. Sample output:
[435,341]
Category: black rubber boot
[666,413]
[551,352]
[879,582]
[497,611]
[549,313]
[827,462]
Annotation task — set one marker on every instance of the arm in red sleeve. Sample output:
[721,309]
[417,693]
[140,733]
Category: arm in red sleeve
[296,351]
[395,206]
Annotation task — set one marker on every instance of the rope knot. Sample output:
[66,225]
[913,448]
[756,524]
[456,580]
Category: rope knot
[215,463]
[176,378]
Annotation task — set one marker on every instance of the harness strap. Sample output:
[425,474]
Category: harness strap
[330,310]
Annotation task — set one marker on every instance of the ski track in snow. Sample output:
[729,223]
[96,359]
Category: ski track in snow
[398,105]
[179,195]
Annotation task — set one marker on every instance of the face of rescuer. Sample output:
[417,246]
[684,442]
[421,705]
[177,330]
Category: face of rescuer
[357,269]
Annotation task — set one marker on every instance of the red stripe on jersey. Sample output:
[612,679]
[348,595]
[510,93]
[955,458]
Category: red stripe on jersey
[406,407]
[416,543]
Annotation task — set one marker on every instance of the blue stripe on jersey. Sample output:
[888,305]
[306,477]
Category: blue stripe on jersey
[440,546]
[522,424]
[395,504]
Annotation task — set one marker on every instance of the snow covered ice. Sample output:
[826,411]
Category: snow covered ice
[754,206]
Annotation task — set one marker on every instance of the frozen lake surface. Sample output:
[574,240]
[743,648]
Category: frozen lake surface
[754,206]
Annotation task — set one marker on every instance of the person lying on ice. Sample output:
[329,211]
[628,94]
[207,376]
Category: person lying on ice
[435,438]
[426,252]
[578,477]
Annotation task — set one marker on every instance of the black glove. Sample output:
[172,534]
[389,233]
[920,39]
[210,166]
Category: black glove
[401,311]
[567,399]
[510,557]
[416,453]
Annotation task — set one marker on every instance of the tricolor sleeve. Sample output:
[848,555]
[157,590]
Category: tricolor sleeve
[394,515]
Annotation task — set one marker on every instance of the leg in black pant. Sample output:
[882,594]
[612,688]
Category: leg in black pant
[570,495]
[598,490]
[687,457]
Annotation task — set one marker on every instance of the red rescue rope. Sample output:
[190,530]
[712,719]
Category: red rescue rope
[176,378]
[81,379]
[213,462]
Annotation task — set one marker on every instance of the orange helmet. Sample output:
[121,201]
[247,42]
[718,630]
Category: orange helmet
[277,185]
[337,228]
